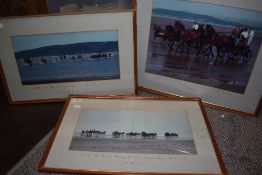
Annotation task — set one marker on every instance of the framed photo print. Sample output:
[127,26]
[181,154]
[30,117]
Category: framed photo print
[86,5]
[132,135]
[209,49]
[47,58]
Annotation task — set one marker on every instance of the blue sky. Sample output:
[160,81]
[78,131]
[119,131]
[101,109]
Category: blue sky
[218,11]
[21,43]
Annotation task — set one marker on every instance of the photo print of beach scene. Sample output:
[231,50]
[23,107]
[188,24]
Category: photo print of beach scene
[67,57]
[86,5]
[133,131]
[207,44]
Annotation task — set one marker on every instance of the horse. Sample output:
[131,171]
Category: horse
[188,40]
[222,44]
[159,33]
[225,46]
[148,135]
[172,36]
[210,31]
[207,40]
[118,134]
[175,35]
[242,52]
[179,26]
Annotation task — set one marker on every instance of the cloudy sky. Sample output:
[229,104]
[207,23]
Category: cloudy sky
[135,121]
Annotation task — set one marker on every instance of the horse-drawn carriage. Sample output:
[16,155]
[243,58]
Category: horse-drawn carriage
[204,41]
[117,134]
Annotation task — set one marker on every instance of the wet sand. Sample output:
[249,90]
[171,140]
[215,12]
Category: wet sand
[142,146]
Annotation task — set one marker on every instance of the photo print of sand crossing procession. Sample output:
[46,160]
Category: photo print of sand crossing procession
[67,57]
[207,44]
[138,131]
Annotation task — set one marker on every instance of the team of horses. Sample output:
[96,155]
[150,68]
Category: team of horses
[203,40]
[117,134]
[90,133]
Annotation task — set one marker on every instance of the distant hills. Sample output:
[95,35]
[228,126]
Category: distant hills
[202,18]
[70,49]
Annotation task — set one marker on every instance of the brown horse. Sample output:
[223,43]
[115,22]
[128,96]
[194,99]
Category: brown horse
[179,26]
[209,40]
[224,44]
[189,38]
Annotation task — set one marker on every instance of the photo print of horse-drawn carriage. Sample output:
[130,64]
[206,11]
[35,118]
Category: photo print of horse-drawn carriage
[125,131]
[202,43]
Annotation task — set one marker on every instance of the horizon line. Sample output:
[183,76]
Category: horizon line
[65,44]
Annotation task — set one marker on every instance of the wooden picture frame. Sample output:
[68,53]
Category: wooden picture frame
[213,94]
[107,138]
[115,38]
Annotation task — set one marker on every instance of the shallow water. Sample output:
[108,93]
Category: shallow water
[68,70]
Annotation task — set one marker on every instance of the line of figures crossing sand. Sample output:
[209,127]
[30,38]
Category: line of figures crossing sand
[203,39]
[44,60]
[117,134]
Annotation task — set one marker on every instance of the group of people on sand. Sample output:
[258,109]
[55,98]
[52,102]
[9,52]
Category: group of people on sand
[242,36]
